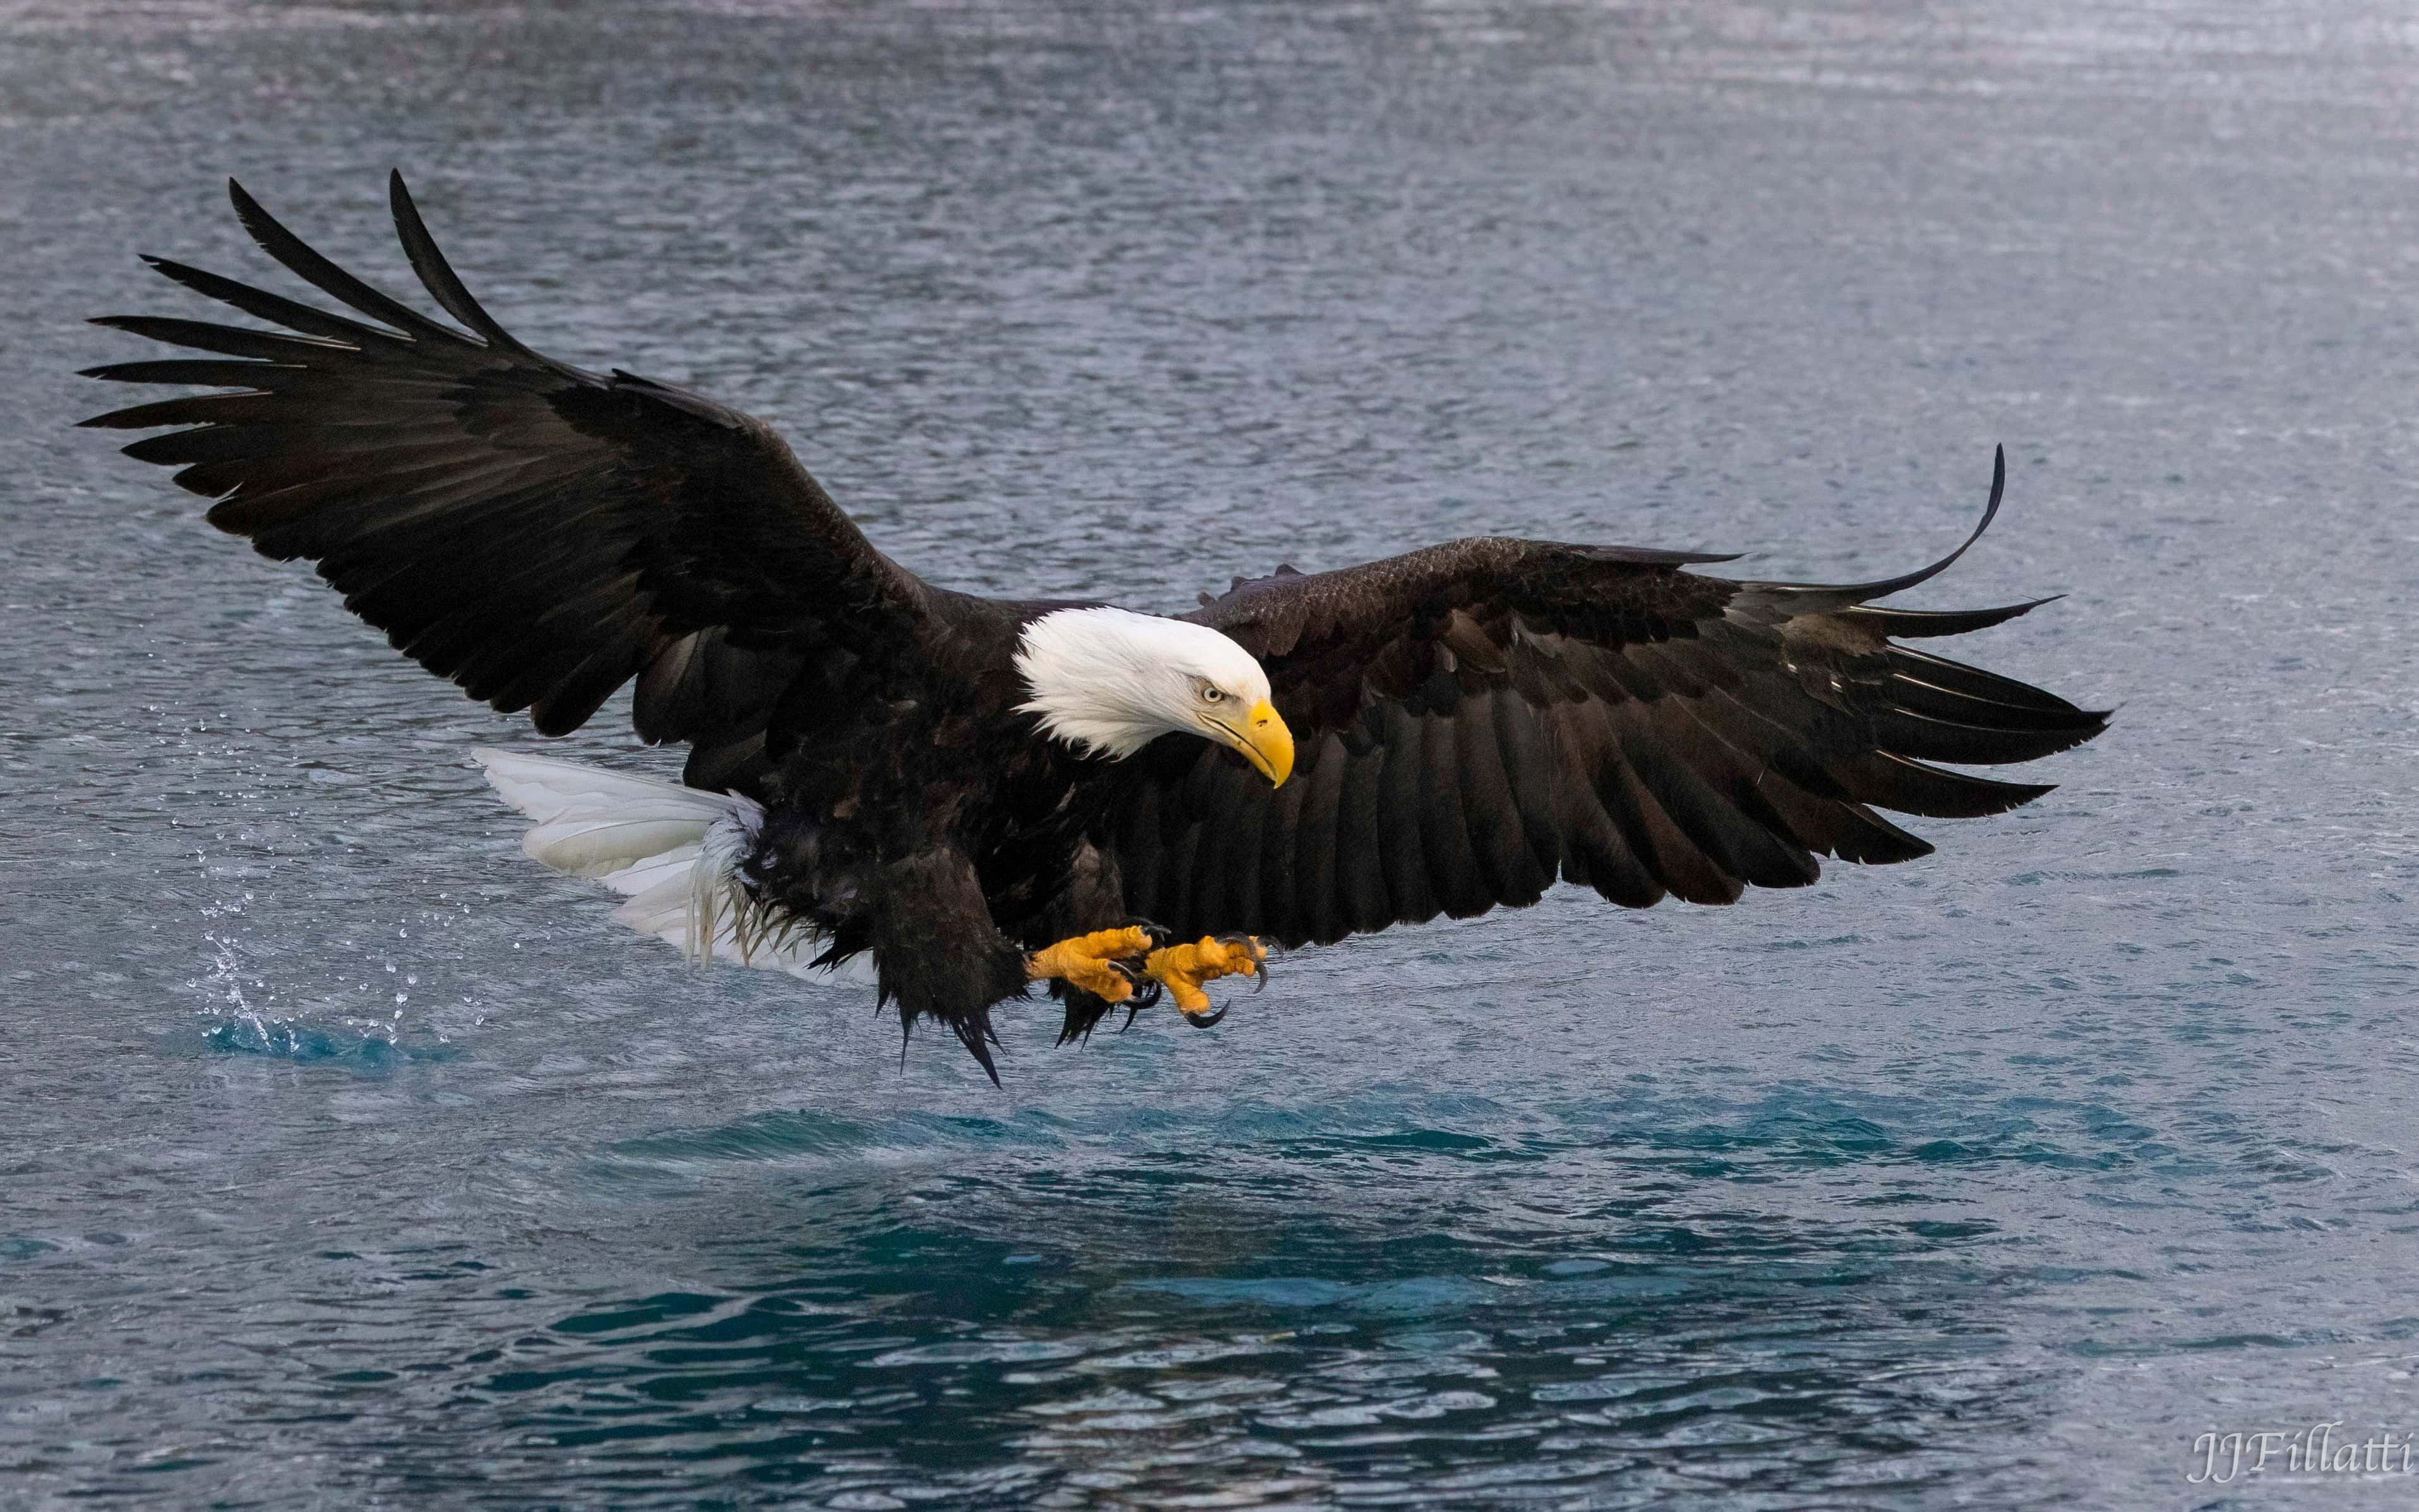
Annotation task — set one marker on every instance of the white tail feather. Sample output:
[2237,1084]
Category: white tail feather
[673,850]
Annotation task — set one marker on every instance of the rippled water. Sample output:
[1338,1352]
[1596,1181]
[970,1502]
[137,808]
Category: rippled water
[347,1158]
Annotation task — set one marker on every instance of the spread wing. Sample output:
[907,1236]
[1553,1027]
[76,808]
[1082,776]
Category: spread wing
[536,533]
[1477,720]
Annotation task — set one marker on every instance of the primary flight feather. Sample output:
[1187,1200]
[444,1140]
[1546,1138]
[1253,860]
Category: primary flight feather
[982,793]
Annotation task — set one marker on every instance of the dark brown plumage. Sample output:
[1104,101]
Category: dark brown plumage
[1478,719]
[536,533]
[1474,721]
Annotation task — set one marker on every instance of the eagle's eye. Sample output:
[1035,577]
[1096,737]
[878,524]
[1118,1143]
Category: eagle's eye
[1211,694]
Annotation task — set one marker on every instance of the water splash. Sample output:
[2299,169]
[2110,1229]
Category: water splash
[223,986]
[241,1027]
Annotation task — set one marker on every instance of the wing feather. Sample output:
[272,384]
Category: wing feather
[1362,902]
[538,534]
[1400,802]
[1306,868]
[438,276]
[1479,719]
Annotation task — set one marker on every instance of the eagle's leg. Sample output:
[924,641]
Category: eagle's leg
[1091,962]
[1183,969]
[936,951]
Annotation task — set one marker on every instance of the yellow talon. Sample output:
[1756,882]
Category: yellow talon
[1183,969]
[1084,961]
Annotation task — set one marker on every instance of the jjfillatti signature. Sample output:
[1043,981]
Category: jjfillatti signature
[2221,1458]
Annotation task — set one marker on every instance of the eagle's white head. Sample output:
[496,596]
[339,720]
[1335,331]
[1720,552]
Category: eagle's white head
[1111,681]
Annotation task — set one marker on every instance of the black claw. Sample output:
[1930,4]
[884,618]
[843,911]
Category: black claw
[1207,1020]
[1146,995]
[1260,968]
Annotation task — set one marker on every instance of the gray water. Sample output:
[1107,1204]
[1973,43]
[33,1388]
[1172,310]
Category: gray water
[347,1159]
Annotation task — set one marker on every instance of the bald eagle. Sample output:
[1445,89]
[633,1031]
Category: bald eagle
[983,793]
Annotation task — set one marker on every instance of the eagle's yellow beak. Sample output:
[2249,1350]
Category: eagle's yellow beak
[1265,741]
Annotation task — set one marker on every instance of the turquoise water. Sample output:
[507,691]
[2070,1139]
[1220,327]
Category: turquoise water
[347,1159]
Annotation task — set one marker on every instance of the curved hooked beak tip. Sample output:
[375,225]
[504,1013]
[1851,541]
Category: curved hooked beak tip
[1266,742]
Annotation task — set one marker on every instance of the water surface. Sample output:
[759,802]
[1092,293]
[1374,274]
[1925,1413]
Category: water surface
[345,1157]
